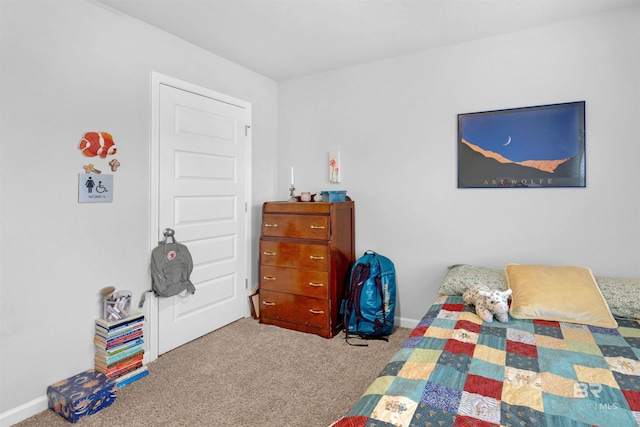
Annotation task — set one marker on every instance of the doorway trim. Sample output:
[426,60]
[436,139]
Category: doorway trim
[152,306]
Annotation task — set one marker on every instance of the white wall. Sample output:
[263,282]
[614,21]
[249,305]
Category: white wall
[68,67]
[395,123]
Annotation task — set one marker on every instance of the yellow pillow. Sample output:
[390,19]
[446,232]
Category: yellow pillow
[563,294]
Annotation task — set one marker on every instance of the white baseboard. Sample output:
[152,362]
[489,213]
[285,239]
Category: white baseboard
[407,323]
[24,411]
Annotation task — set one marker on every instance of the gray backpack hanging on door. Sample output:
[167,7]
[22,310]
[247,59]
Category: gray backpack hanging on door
[171,266]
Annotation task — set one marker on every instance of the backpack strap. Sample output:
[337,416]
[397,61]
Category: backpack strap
[378,281]
[381,292]
[360,275]
[143,298]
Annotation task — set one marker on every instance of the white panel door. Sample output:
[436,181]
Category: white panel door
[201,195]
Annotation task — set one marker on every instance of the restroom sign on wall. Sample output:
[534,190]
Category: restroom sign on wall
[95,188]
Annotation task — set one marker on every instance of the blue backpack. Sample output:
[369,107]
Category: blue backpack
[369,305]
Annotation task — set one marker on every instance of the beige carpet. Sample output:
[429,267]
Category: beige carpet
[245,374]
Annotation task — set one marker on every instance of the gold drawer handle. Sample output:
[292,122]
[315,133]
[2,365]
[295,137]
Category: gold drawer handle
[316,257]
[317,227]
[269,253]
[270,225]
[317,285]
[311,310]
[268,278]
[268,303]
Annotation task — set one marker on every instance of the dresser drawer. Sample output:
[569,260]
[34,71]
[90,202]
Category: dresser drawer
[297,226]
[294,255]
[294,308]
[311,283]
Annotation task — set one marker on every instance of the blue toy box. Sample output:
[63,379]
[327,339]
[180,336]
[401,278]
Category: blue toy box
[81,395]
[334,196]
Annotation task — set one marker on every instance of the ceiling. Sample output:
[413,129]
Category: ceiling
[284,39]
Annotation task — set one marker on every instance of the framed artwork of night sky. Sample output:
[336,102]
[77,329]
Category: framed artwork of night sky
[541,146]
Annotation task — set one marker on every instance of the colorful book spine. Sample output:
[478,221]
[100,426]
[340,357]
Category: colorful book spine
[133,376]
[119,348]
[110,334]
[108,359]
[120,343]
[123,370]
[108,325]
[111,351]
[119,367]
[108,362]
[114,340]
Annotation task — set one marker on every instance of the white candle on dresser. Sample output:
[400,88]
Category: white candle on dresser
[292,176]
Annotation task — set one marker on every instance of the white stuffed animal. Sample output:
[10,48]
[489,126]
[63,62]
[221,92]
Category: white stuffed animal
[488,302]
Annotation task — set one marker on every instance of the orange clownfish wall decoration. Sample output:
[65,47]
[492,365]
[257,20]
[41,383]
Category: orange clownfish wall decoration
[97,144]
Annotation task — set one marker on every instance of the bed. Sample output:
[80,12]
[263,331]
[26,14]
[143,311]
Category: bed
[539,369]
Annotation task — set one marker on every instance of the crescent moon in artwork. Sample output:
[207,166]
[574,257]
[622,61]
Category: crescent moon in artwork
[508,142]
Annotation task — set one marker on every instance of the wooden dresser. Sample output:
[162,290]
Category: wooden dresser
[306,253]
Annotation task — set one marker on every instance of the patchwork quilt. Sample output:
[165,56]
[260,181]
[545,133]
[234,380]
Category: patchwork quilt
[455,370]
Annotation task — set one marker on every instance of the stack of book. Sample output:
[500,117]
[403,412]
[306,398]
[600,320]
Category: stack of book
[120,350]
